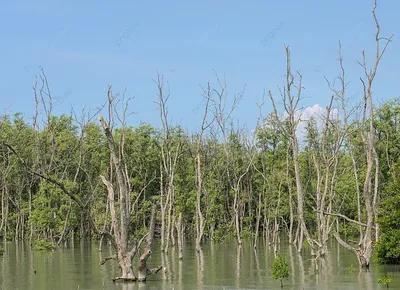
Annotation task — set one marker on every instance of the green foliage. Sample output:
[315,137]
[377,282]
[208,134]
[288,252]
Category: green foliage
[387,249]
[247,234]
[305,244]
[50,207]
[139,233]
[351,269]
[385,280]
[280,269]
[76,155]
[43,245]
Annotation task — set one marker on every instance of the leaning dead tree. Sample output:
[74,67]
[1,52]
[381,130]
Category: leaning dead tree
[121,224]
[371,181]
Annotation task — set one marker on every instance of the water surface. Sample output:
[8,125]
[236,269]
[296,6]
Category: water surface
[219,266]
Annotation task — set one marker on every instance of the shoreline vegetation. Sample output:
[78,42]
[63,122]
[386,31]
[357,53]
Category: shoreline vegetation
[94,176]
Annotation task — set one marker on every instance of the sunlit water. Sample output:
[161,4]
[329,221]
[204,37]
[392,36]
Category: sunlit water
[219,266]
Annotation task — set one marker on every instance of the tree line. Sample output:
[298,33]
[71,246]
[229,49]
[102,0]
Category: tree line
[76,176]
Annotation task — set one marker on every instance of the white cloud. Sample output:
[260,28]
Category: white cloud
[304,115]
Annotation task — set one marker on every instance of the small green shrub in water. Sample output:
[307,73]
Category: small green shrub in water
[280,269]
[43,245]
[385,280]
[351,269]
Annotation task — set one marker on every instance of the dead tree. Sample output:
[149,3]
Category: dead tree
[223,118]
[120,225]
[325,152]
[170,154]
[143,269]
[267,173]
[340,94]
[200,219]
[371,181]
[289,184]
[290,105]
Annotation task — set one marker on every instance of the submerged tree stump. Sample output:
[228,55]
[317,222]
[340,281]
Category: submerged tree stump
[143,268]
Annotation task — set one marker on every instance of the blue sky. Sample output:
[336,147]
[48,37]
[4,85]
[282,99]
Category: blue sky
[85,45]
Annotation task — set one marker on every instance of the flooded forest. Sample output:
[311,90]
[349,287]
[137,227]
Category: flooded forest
[127,204]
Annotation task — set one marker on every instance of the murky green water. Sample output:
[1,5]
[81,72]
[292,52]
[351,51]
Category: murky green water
[220,266]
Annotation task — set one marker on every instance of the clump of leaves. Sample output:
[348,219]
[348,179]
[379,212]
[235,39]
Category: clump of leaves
[1,251]
[385,280]
[280,269]
[43,245]
[351,269]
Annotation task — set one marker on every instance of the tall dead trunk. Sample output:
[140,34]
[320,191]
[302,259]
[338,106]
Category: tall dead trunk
[180,235]
[371,185]
[258,218]
[163,204]
[289,184]
[290,103]
[205,124]
[170,154]
[200,222]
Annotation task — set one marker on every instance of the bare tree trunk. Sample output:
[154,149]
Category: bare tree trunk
[200,220]
[170,227]
[200,224]
[163,205]
[173,225]
[180,235]
[290,103]
[30,214]
[289,184]
[300,198]
[258,218]
[375,200]
[169,157]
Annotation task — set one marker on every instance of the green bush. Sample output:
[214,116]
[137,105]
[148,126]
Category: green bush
[43,245]
[351,269]
[385,280]
[280,269]
[387,249]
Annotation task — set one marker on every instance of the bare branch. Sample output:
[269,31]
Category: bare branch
[114,257]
